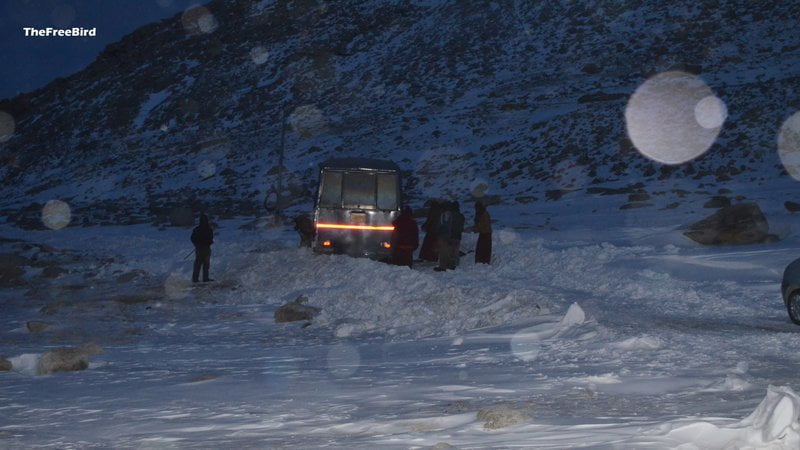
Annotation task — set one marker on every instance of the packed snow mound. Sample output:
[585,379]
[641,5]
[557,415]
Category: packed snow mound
[775,420]
[773,424]
[526,279]
[363,296]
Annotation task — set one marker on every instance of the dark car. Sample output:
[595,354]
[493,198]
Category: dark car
[790,288]
[357,201]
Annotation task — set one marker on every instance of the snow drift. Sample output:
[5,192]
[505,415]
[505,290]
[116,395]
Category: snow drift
[773,424]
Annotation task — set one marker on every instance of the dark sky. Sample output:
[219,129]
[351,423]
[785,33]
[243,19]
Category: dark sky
[27,63]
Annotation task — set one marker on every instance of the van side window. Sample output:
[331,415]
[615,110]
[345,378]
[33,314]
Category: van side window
[387,191]
[331,196]
[358,190]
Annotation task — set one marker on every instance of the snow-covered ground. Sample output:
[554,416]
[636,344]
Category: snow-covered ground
[625,335]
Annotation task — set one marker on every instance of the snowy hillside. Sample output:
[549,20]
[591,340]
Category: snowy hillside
[526,98]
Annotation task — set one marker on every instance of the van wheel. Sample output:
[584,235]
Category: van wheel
[793,306]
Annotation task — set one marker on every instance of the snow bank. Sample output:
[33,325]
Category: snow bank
[363,296]
[526,279]
[775,420]
[773,424]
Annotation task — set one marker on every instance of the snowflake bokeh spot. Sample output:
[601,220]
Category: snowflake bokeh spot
[662,121]
[56,214]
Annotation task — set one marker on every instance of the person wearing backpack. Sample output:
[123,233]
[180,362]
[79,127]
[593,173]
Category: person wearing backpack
[202,238]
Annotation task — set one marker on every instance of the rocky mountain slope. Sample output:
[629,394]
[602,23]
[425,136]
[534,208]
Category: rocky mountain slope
[523,101]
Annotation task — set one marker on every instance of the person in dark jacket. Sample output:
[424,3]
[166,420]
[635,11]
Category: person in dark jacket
[405,238]
[202,238]
[457,228]
[443,236]
[483,226]
[428,251]
[305,228]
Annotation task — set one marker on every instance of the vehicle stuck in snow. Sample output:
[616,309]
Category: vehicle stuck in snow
[356,203]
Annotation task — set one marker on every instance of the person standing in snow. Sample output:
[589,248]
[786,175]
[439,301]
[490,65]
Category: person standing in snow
[202,238]
[305,228]
[483,225]
[443,236]
[428,252]
[457,228]
[405,238]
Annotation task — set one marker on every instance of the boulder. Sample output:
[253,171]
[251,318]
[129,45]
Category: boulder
[503,415]
[35,326]
[672,205]
[717,201]
[5,365]
[295,310]
[791,206]
[11,277]
[53,271]
[52,308]
[127,277]
[11,260]
[638,197]
[556,194]
[743,223]
[12,269]
[67,359]
[635,205]
[442,446]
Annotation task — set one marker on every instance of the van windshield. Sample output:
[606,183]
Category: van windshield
[364,190]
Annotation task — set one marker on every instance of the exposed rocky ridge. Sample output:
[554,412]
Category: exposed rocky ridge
[527,97]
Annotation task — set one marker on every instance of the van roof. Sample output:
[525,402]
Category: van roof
[359,163]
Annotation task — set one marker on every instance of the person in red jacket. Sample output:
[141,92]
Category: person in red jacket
[405,239]
[202,238]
